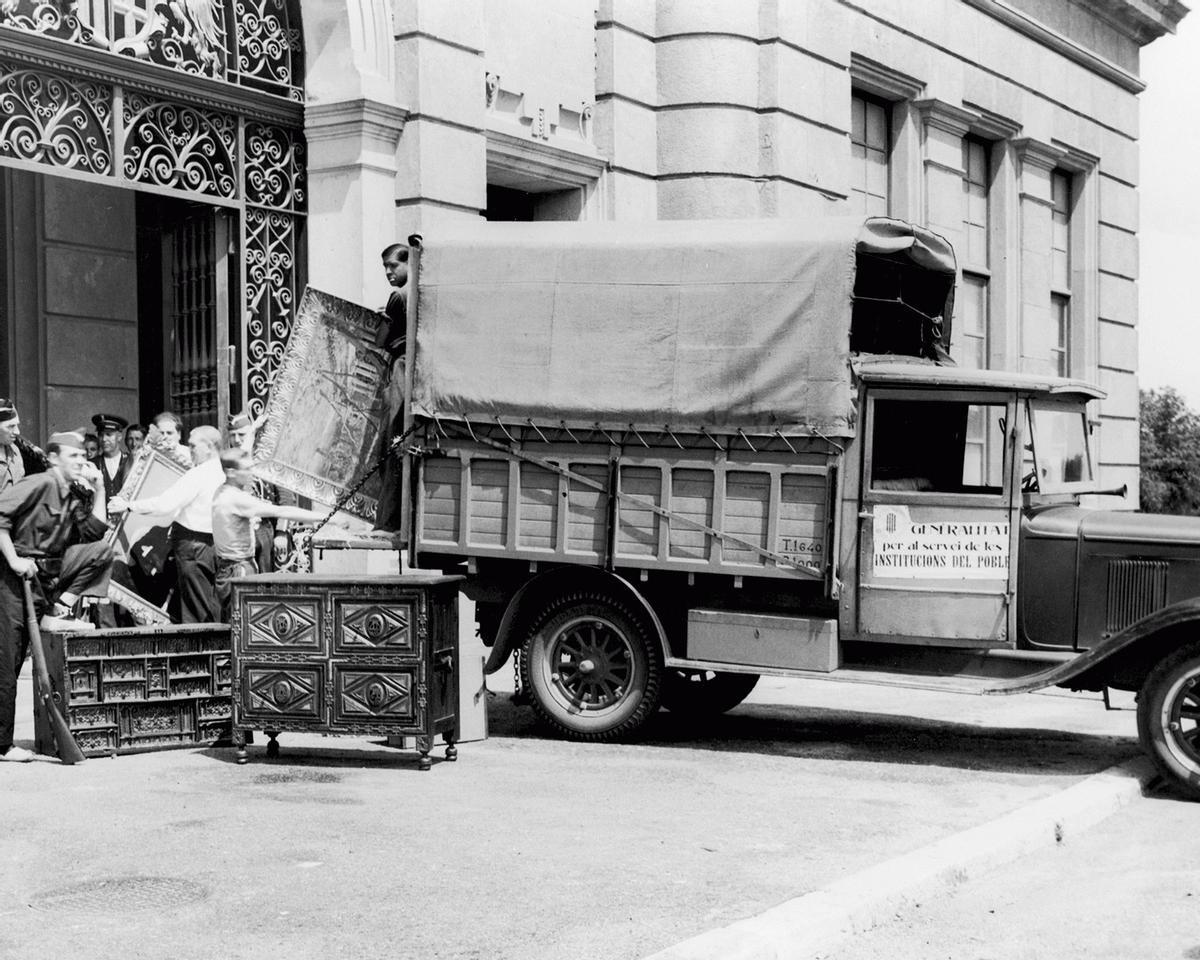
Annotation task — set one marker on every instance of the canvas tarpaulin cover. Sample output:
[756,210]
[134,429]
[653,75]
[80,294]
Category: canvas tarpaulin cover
[719,324]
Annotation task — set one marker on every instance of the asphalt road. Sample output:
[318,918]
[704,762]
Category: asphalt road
[526,847]
[1128,888]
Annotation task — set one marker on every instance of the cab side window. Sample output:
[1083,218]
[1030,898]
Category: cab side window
[937,446]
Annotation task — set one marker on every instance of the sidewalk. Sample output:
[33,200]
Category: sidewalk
[526,847]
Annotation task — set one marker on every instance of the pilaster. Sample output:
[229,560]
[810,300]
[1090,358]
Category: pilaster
[1036,161]
[351,177]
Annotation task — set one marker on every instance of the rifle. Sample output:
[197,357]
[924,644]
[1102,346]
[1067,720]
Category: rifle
[68,749]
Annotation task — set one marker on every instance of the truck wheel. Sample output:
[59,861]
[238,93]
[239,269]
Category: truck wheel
[705,693]
[593,669]
[1169,717]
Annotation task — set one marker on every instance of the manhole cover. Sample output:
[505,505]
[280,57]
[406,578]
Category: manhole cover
[306,776]
[121,894]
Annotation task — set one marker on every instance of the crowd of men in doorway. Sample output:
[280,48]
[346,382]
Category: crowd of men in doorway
[59,507]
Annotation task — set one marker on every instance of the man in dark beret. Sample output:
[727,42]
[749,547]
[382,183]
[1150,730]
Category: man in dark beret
[112,461]
[51,533]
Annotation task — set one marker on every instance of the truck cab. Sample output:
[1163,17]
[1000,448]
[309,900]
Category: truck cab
[951,469]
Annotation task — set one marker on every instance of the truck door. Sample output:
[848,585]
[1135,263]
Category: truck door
[936,518]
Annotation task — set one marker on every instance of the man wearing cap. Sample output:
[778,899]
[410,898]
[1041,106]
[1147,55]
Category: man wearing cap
[112,462]
[12,463]
[51,533]
[189,499]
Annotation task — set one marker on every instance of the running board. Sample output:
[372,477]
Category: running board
[976,672]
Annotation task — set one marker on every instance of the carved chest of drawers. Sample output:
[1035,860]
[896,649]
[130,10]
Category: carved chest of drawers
[355,655]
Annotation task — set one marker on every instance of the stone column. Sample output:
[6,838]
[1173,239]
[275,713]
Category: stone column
[624,121]
[351,175]
[944,127]
[441,80]
[352,124]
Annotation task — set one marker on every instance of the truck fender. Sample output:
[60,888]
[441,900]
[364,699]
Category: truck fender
[1125,657]
[534,594]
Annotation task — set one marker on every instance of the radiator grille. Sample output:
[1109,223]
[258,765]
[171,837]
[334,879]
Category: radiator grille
[1136,588]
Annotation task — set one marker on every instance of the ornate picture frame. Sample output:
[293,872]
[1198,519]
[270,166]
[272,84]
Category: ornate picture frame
[333,395]
[141,537]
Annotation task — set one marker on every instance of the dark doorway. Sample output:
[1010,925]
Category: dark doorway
[507,203]
[185,303]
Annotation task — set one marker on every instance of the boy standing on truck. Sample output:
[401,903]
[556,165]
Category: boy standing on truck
[234,511]
[392,337]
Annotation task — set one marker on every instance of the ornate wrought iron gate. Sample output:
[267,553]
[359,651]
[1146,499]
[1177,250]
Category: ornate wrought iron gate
[194,98]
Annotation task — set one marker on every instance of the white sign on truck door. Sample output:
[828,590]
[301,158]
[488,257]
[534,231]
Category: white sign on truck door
[939,549]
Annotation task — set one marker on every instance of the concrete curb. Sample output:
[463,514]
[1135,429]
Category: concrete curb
[806,927]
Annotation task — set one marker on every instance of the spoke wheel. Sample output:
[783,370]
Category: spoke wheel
[705,693]
[593,670]
[1169,718]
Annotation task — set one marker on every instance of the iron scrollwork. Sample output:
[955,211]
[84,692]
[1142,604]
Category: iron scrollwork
[173,145]
[48,119]
[266,47]
[188,35]
[274,167]
[270,296]
[113,130]
[249,42]
[48,18]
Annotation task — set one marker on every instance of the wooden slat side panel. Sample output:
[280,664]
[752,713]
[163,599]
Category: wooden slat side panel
[440,500]
[637,526]
[586,507]
[802,518]
[691,497]
[746,496]
[538,512]
[488,514]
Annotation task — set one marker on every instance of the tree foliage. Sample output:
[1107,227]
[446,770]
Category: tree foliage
[1170,453]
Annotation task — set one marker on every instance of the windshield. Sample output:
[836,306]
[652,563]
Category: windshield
[1057,456]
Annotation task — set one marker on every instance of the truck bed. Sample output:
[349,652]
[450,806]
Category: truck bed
[740,506]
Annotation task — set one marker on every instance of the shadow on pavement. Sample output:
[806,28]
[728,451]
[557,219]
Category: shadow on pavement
[261,769]
[847,735]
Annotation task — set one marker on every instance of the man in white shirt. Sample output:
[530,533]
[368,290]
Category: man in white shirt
[189,499]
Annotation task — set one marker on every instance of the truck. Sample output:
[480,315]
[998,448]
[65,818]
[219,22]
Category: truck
[671,457]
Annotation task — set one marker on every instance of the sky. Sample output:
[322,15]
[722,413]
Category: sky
[1169,261]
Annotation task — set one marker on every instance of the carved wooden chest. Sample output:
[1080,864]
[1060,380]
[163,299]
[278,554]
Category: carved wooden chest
[139,688]
[375,655]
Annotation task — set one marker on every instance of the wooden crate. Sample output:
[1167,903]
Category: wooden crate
[139,688]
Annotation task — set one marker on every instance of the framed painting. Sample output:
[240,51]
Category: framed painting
[332,400]
[140,539]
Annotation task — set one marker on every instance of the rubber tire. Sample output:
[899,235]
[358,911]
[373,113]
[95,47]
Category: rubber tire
[1161,692]
[554,706]
[686,696]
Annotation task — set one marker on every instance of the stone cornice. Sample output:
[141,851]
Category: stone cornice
[1035,153]
[946,116]
[542,161]
[374,119]
[874,77]
[1038,31]
[81,61]
[1141,20]
[1076,160]
[992,125]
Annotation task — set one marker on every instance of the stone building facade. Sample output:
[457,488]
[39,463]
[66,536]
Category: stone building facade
[246,147]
